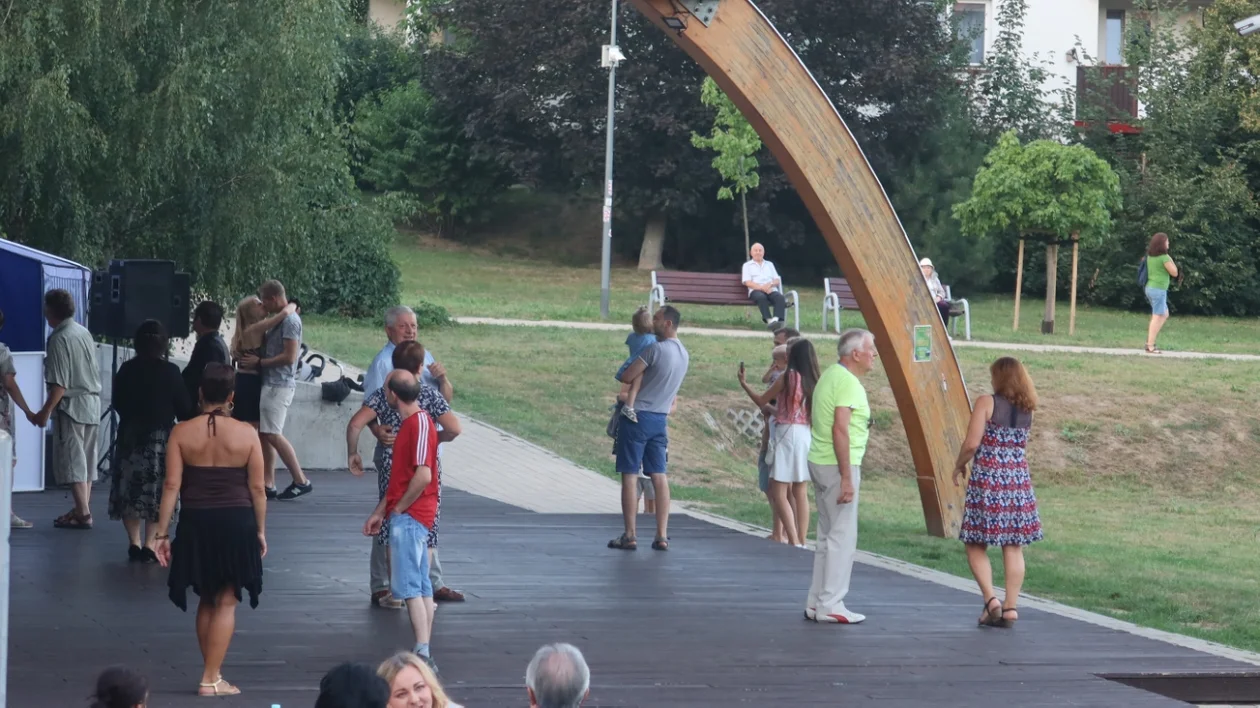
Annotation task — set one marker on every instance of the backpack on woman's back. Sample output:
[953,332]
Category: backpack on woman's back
[1142,275]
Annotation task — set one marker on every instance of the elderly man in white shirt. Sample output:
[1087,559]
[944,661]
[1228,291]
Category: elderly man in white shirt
[765,287]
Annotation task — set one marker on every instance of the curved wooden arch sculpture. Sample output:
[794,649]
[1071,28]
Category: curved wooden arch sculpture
[747,57]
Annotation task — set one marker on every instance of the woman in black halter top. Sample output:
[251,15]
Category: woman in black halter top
[214,468]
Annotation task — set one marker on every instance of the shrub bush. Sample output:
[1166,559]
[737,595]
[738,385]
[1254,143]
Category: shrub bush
[430,315]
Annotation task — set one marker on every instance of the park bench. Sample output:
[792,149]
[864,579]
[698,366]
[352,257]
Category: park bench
[675,286]
[838,295]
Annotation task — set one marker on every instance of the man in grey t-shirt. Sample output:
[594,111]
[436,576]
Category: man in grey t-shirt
[643,445]
[279,367]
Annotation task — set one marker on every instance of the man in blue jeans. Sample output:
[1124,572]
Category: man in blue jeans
[642,445]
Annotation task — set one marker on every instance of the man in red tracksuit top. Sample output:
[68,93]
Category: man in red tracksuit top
[411,501]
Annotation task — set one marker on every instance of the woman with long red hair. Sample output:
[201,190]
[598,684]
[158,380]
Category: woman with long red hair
[1001,508]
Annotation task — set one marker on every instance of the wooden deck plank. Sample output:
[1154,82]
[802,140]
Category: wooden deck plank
[714,622]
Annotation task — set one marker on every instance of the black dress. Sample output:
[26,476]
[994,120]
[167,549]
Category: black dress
[149,396]
[248,394]
[216,543]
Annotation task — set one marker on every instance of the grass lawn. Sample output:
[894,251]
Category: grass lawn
[1146,469]
[482,283]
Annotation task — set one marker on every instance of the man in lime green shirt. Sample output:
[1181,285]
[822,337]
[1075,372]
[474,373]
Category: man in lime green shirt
[841,418]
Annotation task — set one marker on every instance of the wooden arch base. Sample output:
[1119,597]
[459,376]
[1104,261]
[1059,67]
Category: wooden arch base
[736,45]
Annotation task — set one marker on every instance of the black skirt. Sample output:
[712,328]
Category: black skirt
[245,406]
[215,549]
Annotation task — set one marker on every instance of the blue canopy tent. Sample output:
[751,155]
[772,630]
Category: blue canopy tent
[25,275]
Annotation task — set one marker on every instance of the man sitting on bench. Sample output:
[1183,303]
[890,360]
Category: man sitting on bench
[764,286]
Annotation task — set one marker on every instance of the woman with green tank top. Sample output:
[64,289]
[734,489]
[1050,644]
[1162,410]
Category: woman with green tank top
[1160,270]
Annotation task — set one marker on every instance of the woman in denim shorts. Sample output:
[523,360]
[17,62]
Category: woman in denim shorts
[1160,270]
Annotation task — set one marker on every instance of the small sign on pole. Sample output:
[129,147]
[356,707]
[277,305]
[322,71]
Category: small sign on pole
[922,343]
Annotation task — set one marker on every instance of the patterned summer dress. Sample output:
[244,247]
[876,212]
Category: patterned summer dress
[1001,508]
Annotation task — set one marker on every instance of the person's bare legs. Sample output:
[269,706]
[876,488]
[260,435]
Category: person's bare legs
[1013,563]
[783,507]
[982,570]
[287,455]
[82,494]
[132,527]
[219,626]
[776,534]
[633,392]
[420,610]
[150,534]
[800,508]
[269,461]
[661,484]
[1152,330]
[649,506]
[629,502]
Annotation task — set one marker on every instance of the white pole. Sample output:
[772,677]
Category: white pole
[606,254]
[6,506]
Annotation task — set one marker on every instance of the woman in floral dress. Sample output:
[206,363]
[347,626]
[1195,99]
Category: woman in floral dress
[1001,509]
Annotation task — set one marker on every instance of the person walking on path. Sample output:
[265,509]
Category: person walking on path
[643,444]
[841,419]
[214,470]
[410,503]
[74,405]
[765,287]
[9,391]
[400,327]
[149,396]
[1001,508]
[790,437]
[279,371]
[408,356]
[1160,270]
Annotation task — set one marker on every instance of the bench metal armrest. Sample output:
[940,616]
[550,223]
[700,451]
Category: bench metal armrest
[966,308]
[655,295]
[793,299]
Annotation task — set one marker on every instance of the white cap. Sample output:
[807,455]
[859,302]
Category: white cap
[926,262]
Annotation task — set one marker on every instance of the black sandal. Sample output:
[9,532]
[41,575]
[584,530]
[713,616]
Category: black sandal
[991,618]
[660,544]
[1007,623]
[624,543]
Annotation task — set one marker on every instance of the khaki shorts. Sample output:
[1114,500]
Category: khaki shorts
[73,450]
[646,489]
[273,408]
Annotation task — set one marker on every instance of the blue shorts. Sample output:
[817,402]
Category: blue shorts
[642,445]
[408,558]
[1159,301]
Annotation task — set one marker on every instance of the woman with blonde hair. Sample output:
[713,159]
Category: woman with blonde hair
[252,324]
[412,684]
[1001,508]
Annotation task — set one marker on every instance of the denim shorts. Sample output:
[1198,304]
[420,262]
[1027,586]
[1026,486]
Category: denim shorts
[1159,301]
[642,445]
[408,558]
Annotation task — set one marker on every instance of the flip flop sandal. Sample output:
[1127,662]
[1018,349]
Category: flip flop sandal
[624,543]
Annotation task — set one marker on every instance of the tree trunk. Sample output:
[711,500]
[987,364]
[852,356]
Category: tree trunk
[1019,283]
[1052,277]
[743,198]
[653,243]
[1076,242]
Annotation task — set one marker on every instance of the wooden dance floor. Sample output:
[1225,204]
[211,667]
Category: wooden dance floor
[714,622]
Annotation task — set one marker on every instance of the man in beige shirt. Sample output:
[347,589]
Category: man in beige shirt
[74,405]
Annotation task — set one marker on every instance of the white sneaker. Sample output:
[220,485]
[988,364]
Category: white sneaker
[811,614]
[840,616]
[802,546]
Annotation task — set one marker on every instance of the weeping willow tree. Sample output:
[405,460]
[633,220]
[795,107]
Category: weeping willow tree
[197,131]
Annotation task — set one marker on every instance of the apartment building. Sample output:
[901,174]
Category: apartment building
[387,13]
[1082,41]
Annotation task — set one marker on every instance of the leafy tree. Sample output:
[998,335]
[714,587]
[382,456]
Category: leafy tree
[1042,189]
[736,145]
[544,118]
[1194,169]
[409,145]
[200,132]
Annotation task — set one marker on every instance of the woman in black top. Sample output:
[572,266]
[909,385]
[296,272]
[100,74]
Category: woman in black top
[149,395]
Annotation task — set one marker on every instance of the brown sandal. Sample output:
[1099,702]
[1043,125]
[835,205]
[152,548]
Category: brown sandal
[991,617]
[1006,623]
[73,521]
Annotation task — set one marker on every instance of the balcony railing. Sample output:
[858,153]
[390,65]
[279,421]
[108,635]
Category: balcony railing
[1107,93]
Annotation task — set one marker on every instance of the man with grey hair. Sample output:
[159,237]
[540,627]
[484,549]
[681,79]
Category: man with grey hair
[841,419]
[401,326]
[558,677]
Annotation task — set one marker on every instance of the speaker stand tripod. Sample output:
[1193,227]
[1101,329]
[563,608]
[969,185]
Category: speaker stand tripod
[105,467]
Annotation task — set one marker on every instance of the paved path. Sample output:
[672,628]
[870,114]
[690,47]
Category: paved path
[755,334]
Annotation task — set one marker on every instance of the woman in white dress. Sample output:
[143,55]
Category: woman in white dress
[789,445]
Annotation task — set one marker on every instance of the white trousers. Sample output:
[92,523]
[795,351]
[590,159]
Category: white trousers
[837,539]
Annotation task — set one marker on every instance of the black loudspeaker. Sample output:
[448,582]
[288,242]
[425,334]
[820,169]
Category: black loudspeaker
[132,291]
